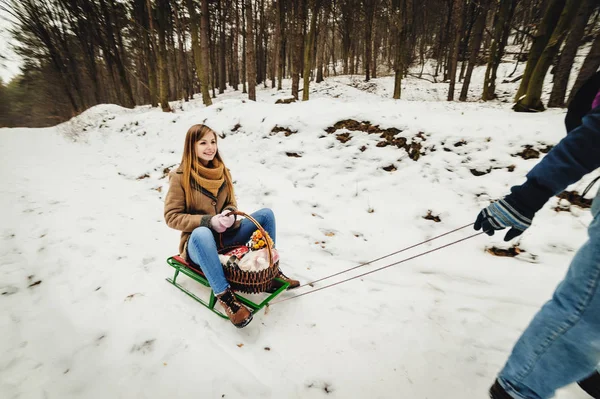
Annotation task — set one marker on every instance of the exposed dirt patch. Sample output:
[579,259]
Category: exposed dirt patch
[142,177]
[510,252]
[429,216]
[390,168]
[389,136]
[476,172]
[352,125]
[236,127]
[529,153]
[293,155]
[166,171]
[575,199]
[343,137]
[287,130]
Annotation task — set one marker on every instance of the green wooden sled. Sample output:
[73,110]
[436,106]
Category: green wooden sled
[181,266]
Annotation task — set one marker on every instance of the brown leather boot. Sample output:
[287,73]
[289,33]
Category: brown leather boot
[238,314]
[276,284]
[293,283]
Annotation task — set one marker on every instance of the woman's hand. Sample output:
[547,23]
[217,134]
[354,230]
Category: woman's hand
[220,222]
[227,221]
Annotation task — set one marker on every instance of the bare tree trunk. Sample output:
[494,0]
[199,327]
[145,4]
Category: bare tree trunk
[375,52]
[532,99]
[250,57]
[183,71]
[235,80]
[457,12]
[296,65]
[308,48]
[152,55]
[321,57]
[542,36]
[115,55]
[589,67]
[333,60]
[197,51]
[397,32]
[283,33]
[148,65]
[162,8]
[346,26]
[469,20]
[565,62]
[475,44]
[501,30]
[204,54]
[213,51]
[264,43]
[244,47]
[175,81]
[369,6]
[222,48]
[278,43]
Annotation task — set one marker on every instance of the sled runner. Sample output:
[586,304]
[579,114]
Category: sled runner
[250,282]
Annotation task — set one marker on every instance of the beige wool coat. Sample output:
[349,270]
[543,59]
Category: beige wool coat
[204,206]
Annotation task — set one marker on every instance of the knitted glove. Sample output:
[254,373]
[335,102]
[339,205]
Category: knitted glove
[218,224]
[502,214]
[227,220]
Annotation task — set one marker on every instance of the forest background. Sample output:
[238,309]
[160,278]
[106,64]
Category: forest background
[79,53]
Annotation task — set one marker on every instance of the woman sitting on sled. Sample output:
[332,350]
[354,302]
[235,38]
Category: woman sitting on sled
[199,200]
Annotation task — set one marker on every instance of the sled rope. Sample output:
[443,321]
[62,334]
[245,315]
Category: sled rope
[387,256]
[381,268]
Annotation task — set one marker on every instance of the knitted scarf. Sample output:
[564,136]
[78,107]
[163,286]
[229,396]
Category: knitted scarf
[209,178]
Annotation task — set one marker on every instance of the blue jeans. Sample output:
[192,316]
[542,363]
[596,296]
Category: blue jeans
[562,343]
[202,246]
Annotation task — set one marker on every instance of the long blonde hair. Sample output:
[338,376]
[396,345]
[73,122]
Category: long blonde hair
[189,160]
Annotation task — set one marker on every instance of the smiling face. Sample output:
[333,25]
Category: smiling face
[206,148]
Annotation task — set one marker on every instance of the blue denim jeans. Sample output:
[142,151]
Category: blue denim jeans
[202,246]
[562,343]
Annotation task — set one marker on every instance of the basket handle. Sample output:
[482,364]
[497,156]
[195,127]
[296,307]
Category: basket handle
[260,228]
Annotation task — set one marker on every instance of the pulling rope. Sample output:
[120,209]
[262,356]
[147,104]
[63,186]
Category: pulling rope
[387,256]
[383,267]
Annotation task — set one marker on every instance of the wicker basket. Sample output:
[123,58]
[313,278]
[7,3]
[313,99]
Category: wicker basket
[251,282]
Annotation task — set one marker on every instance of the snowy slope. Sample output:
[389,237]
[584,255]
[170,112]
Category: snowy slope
[81,205]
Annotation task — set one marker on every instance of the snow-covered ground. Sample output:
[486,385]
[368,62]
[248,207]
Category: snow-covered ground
[85,311]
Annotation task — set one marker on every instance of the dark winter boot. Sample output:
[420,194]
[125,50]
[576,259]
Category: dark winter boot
[591,385]
[238,314]
[276,284]
[497,392]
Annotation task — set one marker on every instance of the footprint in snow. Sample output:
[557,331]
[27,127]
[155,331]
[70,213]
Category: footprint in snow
[144,347]
[8,290]
[325,386]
